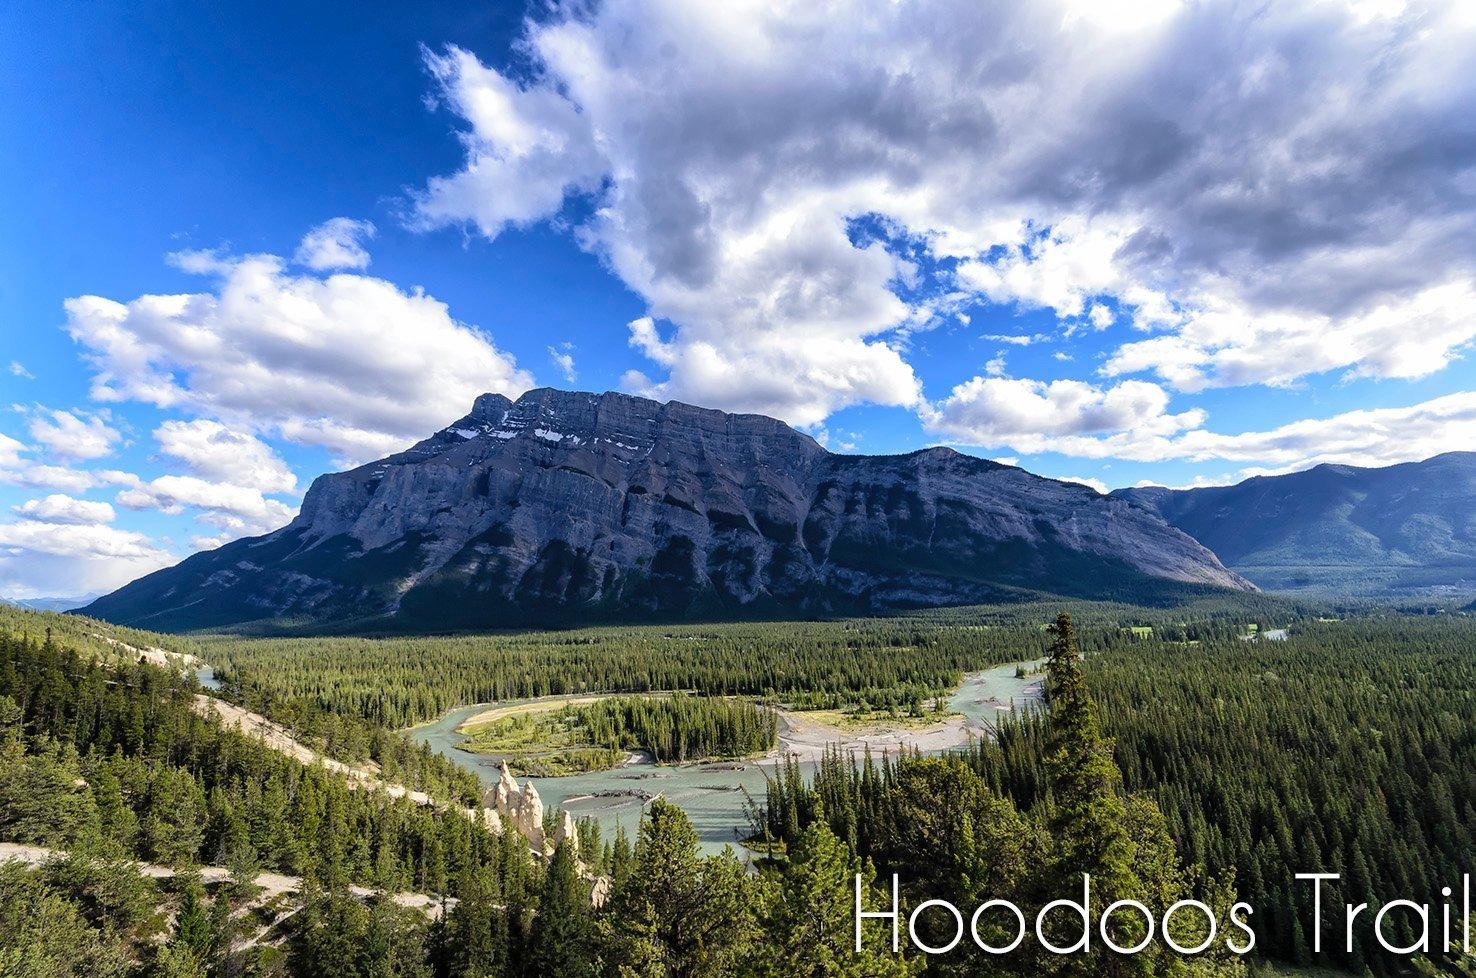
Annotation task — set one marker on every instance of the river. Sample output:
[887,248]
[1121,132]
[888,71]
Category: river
[713,795]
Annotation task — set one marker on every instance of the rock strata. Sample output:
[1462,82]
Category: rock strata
[566,507]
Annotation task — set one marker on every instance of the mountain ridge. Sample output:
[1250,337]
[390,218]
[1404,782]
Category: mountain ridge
[1402,530]
[571,507]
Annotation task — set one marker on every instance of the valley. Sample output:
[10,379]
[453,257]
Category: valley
[1211,705]
[715,795]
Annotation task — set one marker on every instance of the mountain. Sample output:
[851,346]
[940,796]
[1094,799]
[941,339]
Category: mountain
[569,507]
[1403,530]
[49,604]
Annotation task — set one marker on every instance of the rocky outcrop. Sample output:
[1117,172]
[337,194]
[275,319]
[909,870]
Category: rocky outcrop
[519,808]
[566,507]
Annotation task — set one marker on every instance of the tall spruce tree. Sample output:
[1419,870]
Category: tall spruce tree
[810,927]
[560,943]
[677,915]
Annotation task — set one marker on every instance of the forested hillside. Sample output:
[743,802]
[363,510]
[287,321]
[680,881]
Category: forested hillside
[1400,531]
[138,774]
[112,764]
[1225,761]
[1349,747]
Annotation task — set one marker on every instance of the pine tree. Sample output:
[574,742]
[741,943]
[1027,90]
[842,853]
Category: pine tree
[810,928]
[474,941]
[560,944]
[192,930]
[677,915]
[1088,813]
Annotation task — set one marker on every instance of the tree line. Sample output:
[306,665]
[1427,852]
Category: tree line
[396,682]
[887,663]
[678,728]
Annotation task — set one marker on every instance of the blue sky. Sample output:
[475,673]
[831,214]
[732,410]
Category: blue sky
[1161,243]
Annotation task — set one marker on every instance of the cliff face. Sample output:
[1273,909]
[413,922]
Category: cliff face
[566,507]
[1399,531]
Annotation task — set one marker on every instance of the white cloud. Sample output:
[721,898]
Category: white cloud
[41,559]
[10,452]
[59,508]
[18,470]
[1061,269]
[1225,344]
[348,362]
[563,358]
[527,148]
[1032,416]
[1374,436]
[1017,340]
[335,244]
[1275,190]
[1088,422]
[71,540]
[215,452]
[49,477]
[18,369]
[73,435]
[241,509]
[1096,484]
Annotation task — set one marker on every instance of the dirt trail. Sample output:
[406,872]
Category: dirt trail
[271,884]
[155,656]
[280,739]
[274,735]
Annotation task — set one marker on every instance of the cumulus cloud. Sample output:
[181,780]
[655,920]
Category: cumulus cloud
[348,362]
[18,369]
[10,452]
[335,244]
[212,450]
[17,468]
[1225,344]
[41,476]
[1270,190]
[1088,422]
[1373,436]
[527,148]
[60,508]
[1096,484]
[240,509]
[45,559]
[1033,416]
[73,435]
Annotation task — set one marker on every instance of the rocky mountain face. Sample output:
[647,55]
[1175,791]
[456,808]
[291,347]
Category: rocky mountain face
[568,507]
[1403,530]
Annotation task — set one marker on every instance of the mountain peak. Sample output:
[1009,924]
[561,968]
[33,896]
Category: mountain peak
[568,506]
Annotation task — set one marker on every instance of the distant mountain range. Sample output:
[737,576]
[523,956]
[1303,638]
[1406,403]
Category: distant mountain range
[1401,531]
[570,507]
[48,604]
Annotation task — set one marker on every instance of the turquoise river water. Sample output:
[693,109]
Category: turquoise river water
[714,795]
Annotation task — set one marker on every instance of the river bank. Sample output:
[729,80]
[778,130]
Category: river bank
[715,795]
